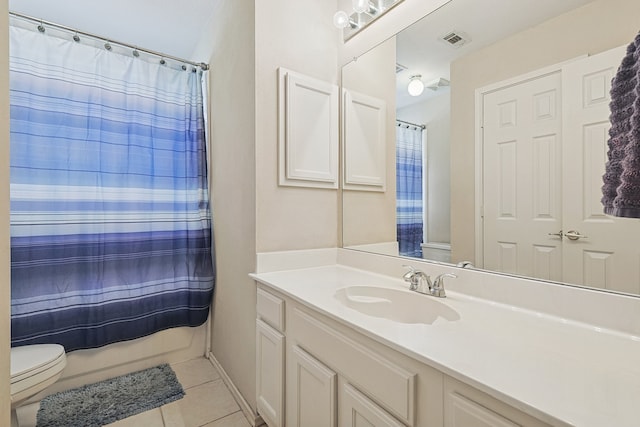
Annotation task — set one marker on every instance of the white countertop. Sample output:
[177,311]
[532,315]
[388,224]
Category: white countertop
[559,371]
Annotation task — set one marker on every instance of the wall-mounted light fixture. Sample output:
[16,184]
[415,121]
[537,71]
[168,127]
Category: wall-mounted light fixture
[415,87]
[364,13]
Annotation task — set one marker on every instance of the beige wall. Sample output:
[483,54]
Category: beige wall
[297,35]
[435,113]
[233,130]
[596,27]
[251,213]
[5,268]
[370,216]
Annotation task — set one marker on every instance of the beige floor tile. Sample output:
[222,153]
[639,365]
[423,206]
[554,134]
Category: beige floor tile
[237,419]
[172,415]
[152,418]
[195,372]
[206,403]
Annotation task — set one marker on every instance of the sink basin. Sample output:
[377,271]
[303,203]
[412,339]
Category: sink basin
[395,304]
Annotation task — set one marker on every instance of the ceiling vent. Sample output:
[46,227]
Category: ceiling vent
[400,68]
[456,38]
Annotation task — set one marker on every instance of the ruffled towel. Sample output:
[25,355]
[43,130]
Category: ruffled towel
[621,189]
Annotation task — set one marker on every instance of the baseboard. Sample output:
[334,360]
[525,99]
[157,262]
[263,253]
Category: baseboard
[254,420]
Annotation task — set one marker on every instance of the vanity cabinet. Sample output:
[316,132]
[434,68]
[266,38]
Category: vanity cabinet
[336,376]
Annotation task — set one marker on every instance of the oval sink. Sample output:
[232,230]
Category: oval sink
[395,304]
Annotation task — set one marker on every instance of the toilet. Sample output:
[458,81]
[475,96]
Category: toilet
[34,368]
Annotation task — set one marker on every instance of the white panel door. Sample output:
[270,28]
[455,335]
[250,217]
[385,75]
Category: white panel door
[609,256]
[522,146]
[312,391]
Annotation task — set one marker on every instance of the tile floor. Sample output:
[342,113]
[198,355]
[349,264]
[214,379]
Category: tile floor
[207,403]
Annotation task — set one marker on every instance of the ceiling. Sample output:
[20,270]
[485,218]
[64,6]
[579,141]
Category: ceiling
[166,26]
[176,28]
[421,50]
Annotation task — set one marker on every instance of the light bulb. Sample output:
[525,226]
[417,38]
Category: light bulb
[416,86]
[341,19]
[360,6]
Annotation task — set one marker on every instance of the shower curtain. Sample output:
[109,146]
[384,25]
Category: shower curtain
[110,223]
[409,190]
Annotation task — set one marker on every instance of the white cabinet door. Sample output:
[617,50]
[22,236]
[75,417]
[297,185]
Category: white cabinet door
[364,154]
[270,374]
[312,391]
[307,131]
[357,410]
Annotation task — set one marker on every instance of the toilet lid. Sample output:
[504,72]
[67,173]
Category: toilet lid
[30,359]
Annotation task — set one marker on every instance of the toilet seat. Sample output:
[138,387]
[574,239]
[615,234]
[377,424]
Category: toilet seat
[33,368]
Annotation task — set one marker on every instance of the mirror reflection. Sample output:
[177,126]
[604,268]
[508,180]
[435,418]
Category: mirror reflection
[479,135]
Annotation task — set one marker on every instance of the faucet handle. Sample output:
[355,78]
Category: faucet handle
[409,275]
[438,284]
[414,277]
[439,280]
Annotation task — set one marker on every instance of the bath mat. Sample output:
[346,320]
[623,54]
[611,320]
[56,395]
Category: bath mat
[111,400]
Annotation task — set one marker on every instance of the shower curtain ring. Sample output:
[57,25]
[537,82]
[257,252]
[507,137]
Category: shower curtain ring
[41,27]
[76,37]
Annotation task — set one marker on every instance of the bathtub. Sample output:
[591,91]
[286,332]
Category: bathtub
[168,346]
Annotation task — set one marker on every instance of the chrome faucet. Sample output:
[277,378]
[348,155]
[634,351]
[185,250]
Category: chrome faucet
[464,264]
[415,279]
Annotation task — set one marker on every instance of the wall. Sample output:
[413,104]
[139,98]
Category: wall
[5,269]
[370,216]
[435,114]
[233,136]
[251,214]
[300,36]
[596,27]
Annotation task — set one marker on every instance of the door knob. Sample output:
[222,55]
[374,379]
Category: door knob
[574,235]
[558,234]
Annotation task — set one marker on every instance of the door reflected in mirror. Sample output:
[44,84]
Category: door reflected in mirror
[498,161]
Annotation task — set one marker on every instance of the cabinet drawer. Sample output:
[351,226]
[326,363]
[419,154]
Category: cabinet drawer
[392,386]
[270,309]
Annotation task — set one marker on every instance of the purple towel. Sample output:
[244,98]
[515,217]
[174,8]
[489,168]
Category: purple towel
[621,189]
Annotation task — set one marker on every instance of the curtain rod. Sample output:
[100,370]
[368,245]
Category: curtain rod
[411,124]
[162,56]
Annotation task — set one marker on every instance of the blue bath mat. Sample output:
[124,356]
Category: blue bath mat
[111,400]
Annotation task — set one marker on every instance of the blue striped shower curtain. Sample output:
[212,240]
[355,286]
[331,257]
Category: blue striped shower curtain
[110,221]
[409,190]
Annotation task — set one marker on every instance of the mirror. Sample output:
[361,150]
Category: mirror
[466,180]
